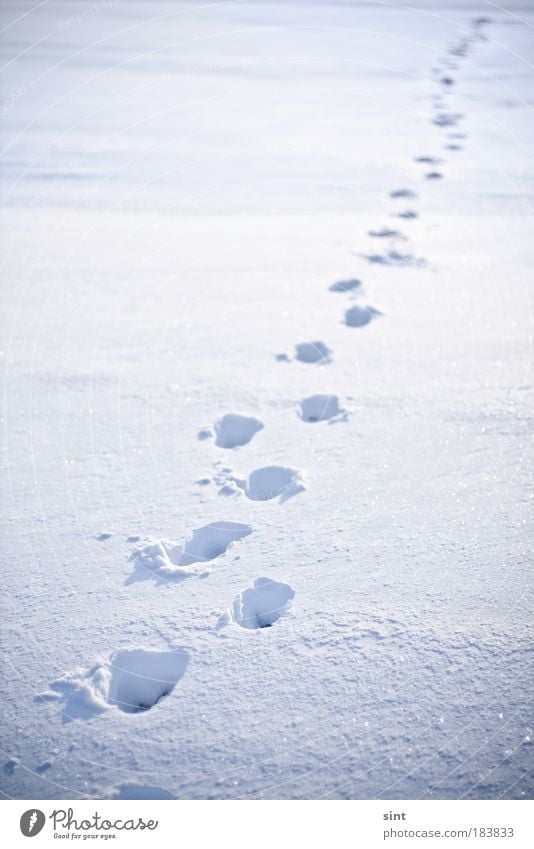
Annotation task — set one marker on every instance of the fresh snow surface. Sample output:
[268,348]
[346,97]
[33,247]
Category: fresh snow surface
[205,204]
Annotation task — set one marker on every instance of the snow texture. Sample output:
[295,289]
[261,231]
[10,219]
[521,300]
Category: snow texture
[227,216]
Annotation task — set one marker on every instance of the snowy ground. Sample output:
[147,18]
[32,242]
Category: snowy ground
[182,184]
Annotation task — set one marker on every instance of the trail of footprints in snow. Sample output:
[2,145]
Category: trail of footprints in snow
[134,680]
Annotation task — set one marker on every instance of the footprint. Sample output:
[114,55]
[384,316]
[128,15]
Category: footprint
[448,81]
[460,49]
[140,678]
[407,213]
[42,768]
[402,193]
[433,175]
[260,606]
[345,285]
[223,478]
[360,316]
[446,119]
[228,488]
[10,766]
[169,560]
[137,791]
[273,481]
[453,146]
[133,681]
[429,160]
[320,408]
[313,352]
[386,233]
[233,430]
[394,257]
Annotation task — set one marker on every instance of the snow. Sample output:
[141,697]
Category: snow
[319,408]
[345,285]
[312,352]
[168,559]
[233,430]
[140,679]
[193,194]
[360,316]
[262,605]
[137,791]
[273,481]
[133,680]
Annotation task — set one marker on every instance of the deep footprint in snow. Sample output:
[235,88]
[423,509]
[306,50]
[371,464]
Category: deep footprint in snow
[360,316]
[137,791]
[133,681]
[395,257]
[429,160]
[402,193]
[42,768]
[460,49]
[320,408]
[386,233]
[141,678]
[447,119]
[10,766]
[233,430]
[261,605]
[345,285]
[406,213]
[273,482]
[433,175]
[312,352]
[169,560]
